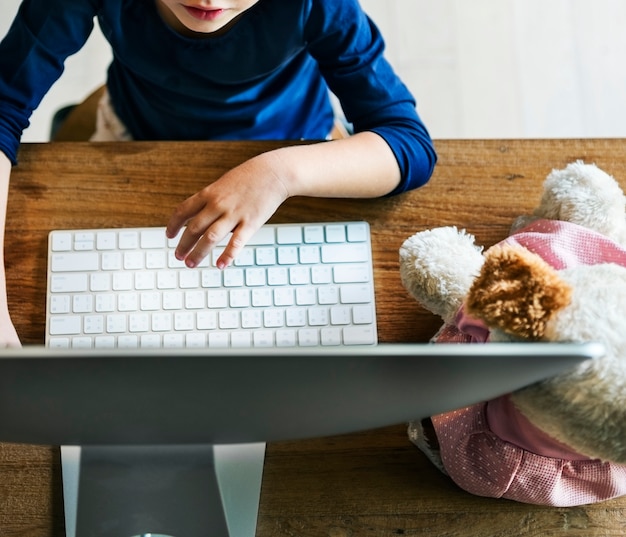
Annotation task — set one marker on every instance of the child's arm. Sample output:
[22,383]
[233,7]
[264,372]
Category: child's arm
[242,200]
[8,335]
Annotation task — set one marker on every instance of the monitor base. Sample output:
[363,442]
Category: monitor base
[174,491]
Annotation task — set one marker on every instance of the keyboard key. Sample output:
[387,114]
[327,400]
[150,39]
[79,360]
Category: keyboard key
[255,277]
[162,322]
[116,323]
[217,299]
[173,341]
[344,253]
[139,322]
[184,320]
[218,339]
[211,278]
[321,274]
[81,342]
[263,236]
[251,318]
[265,256]
[82,304]
[153,238]
[105,302]
[233,277]
[206,320]
[284,296]
[263,338]
[340,315]
[351,273]
[356,232]
[65,325]
[75,262]
[167,279]
[241,339]
[355,294]
[309,255]
[128,342]
[68,283]
[145,280]
[328,295]
[150,341]
[128,240]
[287,255]
[84,241]
[308,337]
[60,303]
[189,279]
[156,259]
[262,297]
[172,300]
[330,336]
[106,240]
[313,234]
[245,258]
[274,318]
[277,276]
[289,235]
[362,315]
[318,316]
[296,317]
[195,340]
[194,300]
[359,335]
[299,275]
[285,338]
[306,296]
[335,233]
[239,298]
[123,281]
[111,261]
[228,319]
[61,242]
[133,260]
[104,342]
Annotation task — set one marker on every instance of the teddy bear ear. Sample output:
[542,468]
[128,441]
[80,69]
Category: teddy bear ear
[517,292]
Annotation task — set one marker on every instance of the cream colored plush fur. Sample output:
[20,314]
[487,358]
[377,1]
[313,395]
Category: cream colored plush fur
[439,266]
[586,408]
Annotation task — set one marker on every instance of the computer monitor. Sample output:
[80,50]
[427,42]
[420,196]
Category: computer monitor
[147,432]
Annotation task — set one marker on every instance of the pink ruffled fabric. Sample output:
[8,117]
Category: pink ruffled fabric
[491,449]
[482,463]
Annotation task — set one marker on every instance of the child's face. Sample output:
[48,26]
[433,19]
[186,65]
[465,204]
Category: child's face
[193,17]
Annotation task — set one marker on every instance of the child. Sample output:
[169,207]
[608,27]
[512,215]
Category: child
[231,69]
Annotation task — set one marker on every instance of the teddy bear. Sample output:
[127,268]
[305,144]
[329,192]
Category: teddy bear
[560,276]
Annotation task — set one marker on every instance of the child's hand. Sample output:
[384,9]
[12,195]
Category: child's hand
[241,201]
[8,334]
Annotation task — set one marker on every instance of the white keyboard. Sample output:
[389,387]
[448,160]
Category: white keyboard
[293,285]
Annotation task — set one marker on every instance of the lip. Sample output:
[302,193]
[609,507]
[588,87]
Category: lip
[204,14]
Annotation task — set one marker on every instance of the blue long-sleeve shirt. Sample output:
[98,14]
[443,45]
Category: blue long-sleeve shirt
[267,77]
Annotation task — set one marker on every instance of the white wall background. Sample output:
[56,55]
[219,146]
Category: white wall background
[479,68]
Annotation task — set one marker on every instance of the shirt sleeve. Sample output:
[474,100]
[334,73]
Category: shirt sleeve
[32,54]
[349,49]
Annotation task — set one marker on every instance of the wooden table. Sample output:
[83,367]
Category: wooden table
[373,483]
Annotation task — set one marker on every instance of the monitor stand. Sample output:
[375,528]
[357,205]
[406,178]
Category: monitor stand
[174,491]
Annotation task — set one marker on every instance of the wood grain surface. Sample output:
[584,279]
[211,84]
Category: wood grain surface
[373,483]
